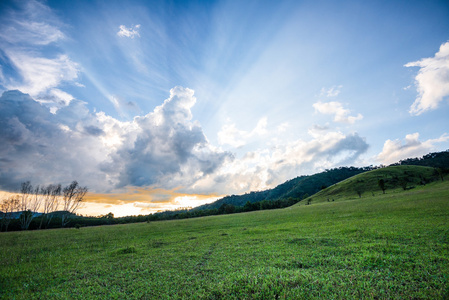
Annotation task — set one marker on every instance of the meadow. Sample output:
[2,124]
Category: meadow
[377,246]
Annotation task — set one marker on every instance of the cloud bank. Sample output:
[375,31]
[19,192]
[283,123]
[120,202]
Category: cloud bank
[432,81]
[164,149]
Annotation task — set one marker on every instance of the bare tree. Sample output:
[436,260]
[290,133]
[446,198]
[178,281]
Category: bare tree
[72,197]
[50,196]
[29,203]
[9,206]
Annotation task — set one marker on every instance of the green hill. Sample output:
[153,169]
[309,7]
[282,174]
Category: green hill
[395,178]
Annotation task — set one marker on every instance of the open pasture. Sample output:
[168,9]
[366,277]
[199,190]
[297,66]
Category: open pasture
[392,246]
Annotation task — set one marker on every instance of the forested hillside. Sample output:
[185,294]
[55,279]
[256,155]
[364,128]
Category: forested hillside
[297,188]
[434,160]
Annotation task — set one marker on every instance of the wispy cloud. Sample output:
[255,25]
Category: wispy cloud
[432,81]
[28,33]
[334,91]
[32,33]
[130,32]
[41,75]
[395,150]
[32,24]
[335,108]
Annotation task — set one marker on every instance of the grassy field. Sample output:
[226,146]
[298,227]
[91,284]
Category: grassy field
[386,246]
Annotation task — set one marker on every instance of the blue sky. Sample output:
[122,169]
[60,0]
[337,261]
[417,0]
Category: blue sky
[160,104]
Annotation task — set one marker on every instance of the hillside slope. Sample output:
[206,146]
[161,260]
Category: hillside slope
[395,178]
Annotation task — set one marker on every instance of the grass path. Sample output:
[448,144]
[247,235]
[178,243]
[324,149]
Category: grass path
[392,246]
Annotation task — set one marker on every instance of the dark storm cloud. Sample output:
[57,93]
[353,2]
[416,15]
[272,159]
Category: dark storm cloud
[170,149]
[93,130]
[352,143]
[163,148]
[36,145]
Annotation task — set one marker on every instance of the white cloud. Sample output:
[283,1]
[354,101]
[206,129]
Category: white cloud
[129,32]
[432,80]
[282,127]
[334,91]
[230,135]
[396,150]
[335,108]
[164,149]
[267,167]
[42,75]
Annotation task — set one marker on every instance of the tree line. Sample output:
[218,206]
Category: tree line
[53,200]
[223,209]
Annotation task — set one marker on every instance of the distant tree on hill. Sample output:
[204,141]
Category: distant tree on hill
[440,172]
[359,191]
[72,197]
[404,183]
[381,184]
[436,160]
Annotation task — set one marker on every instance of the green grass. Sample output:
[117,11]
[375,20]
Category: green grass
[392,246]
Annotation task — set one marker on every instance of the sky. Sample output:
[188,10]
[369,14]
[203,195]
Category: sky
[157,105]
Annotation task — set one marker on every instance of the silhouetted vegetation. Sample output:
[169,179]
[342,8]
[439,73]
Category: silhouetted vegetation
[21,211]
